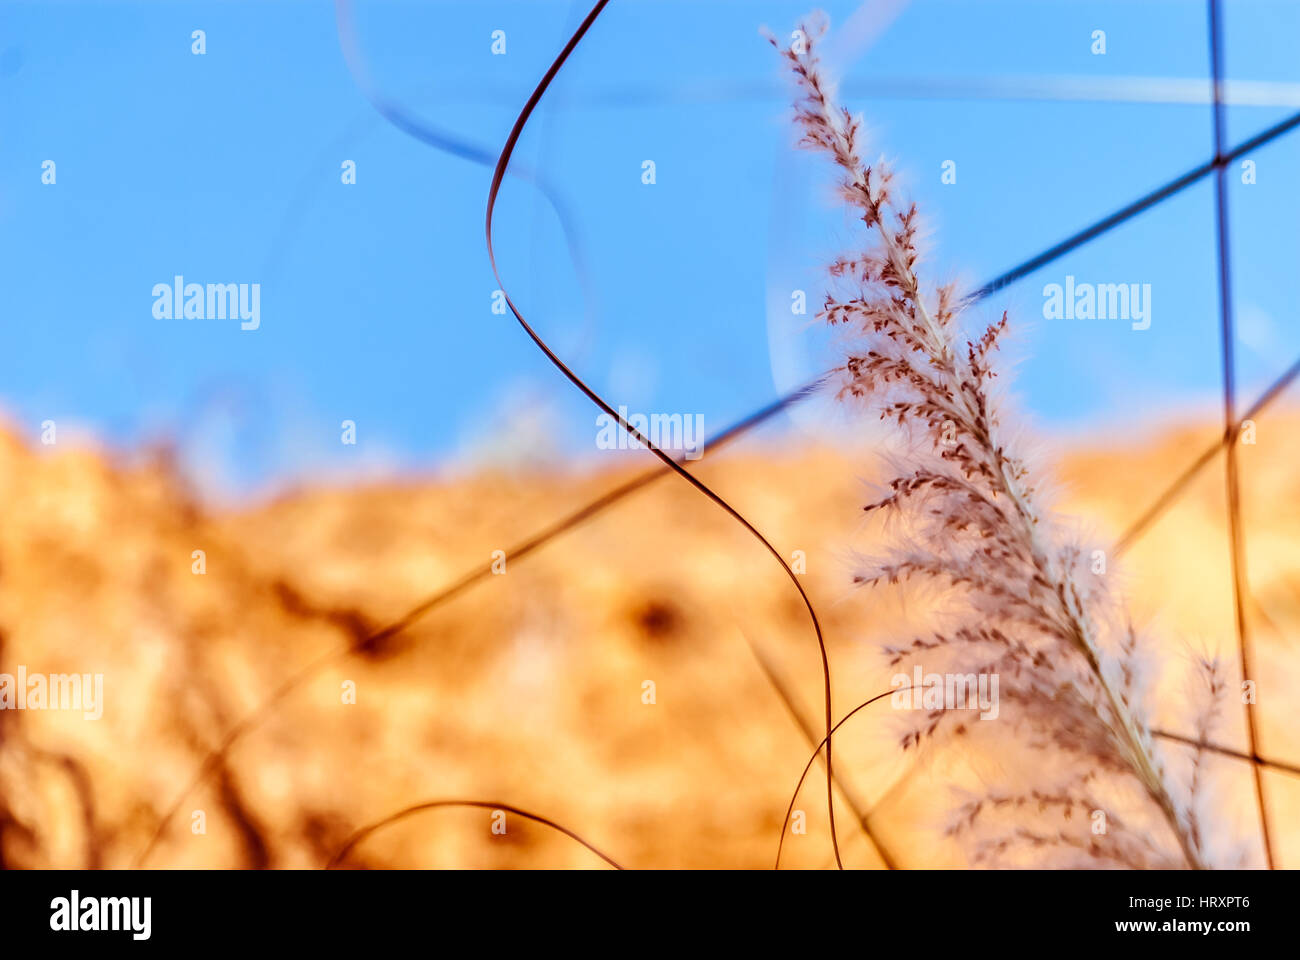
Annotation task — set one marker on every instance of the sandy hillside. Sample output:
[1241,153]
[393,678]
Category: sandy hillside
[527,687]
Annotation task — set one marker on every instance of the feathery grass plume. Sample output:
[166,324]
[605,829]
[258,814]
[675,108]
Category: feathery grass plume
[1029,610]
[1207,696]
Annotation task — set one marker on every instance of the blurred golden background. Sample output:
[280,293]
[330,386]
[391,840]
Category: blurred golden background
[527,687]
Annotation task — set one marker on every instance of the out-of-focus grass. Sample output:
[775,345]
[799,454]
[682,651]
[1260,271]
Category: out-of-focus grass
[529,687]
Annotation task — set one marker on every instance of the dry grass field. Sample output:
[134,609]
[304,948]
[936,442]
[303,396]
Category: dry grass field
[527,687]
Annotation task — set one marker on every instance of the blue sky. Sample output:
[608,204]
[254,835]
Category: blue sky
[376,297]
